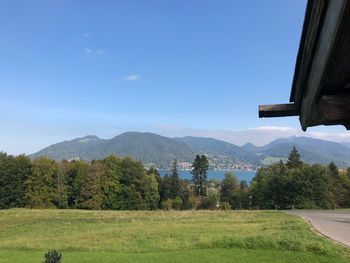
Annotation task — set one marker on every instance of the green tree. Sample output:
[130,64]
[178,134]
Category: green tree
[151,194]
[185,194]
[14,172]
[46,186]
[243,195]
[268,189]
[199,175]
[278,186]
[154,171]
[338,187]
[130,198]
[229,189]
[170,187]
[137,188]
[76,172]
[294,159]
[110,182]
[310,187]
[92,195]
[175,184]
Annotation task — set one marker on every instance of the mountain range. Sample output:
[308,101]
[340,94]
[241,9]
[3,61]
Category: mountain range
[160,151]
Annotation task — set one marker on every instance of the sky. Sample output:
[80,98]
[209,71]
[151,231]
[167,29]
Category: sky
[178,67]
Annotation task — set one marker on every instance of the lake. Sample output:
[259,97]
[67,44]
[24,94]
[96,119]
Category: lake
[214,174]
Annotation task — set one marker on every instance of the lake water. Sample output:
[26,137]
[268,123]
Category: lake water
[215,174]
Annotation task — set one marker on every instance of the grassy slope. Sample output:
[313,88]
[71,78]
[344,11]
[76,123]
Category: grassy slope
[106,236]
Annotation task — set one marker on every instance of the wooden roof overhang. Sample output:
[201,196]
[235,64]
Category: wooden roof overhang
[320,92]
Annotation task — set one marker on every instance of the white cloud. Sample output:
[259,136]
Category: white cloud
[271,128]
[88,50]
[132,77]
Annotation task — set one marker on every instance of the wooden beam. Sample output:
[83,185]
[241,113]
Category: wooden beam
[277,110]
[315,11]
[326,43]
[332,110]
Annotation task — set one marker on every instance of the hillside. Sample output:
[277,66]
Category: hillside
[153,149]
[146,147]
[213,147]
[311,150]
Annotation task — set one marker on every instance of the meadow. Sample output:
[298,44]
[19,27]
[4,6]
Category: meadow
[160,236]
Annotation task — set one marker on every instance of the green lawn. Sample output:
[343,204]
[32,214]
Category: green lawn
[190,236]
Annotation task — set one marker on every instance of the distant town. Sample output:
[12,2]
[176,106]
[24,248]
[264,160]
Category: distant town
[224,164]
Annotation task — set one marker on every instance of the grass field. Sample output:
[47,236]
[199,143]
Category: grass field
[190,236]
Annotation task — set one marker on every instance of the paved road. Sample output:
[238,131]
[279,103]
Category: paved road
[333,224]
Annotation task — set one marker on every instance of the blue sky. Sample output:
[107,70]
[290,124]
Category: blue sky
[72,68]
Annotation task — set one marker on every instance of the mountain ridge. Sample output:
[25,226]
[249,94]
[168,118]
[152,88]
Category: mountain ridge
[160,151]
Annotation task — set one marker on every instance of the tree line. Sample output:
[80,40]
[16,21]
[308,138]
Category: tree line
[295,184]
[116,183]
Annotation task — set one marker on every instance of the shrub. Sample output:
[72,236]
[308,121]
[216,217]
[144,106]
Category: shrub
[225,206]
[177,203]
[167,204]
[194,201]
[209,202]
[53,256]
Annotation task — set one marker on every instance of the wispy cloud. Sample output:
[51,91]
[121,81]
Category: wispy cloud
[99,51]
[86,35]
[274,128]
[94,51]
[168,127]
[132,77]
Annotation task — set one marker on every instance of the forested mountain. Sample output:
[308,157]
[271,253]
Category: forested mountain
[311,150]
[146,147]
[214,147]
[161,151]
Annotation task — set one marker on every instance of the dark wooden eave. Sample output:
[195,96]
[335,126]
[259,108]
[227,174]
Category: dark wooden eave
[321,85]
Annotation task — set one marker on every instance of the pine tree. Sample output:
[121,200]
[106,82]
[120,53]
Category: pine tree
[199,174]
[175,184]
[294,159]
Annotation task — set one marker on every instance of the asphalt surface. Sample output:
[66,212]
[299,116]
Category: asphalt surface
[333,224]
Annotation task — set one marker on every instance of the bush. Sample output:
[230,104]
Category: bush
[194,201]
[225,206]
[177,203]
[53,256]
[307,204]
[167,204]
[208,202]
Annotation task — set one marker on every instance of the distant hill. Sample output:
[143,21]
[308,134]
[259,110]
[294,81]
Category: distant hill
[153,149]
[250,147]
[213,146]
[346,144]
[311,150]
[146,147]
